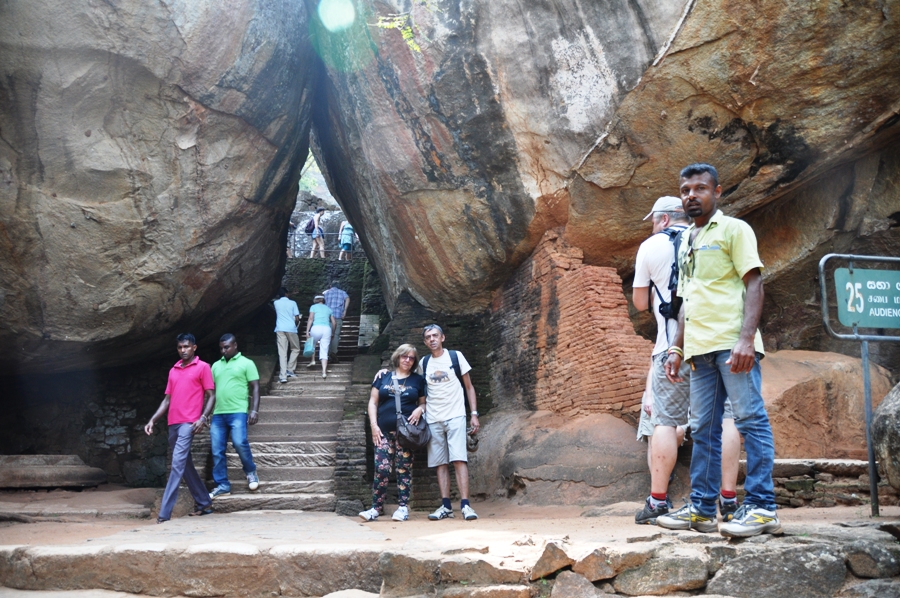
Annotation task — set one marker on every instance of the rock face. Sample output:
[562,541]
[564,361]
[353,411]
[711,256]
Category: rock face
[886,436]
[453,152]
[145,170]
[456,151]
[816,404]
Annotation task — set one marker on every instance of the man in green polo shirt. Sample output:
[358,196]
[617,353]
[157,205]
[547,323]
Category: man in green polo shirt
[235,377]
[720,280]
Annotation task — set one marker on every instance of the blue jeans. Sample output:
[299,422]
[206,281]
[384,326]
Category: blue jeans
[711,384]
[221,425]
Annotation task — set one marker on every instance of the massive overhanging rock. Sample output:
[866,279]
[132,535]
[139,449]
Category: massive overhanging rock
[455,149]
[774,93]
[147,151]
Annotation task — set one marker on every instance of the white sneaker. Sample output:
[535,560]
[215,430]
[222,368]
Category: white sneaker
[469,513]
[252,481]
[442,513]
[750,520]
[370,515]
[401,514]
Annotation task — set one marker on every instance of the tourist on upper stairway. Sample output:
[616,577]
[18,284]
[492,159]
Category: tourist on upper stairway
[345,237]
[383,420]
[318,327]
[287,317]
[318,234]
[338,301]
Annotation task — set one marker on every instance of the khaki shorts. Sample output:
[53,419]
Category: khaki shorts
[671,402]
[645,425]
[448,442]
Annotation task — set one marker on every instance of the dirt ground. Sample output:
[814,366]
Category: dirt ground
[64,517]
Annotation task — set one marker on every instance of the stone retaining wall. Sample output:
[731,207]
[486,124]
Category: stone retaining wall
[563,341]
[824,483]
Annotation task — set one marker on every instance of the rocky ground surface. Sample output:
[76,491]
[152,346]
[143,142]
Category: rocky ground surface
[510,551]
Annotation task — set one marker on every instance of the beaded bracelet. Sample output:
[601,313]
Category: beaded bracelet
[677,350]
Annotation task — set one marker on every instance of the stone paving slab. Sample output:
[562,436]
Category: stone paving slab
[509,552]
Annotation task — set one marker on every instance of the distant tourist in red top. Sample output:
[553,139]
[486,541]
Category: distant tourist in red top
[189,400]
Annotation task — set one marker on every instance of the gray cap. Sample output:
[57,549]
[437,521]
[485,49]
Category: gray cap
[666,204]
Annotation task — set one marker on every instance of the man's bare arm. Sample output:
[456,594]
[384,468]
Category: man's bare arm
[640,296]
[473,402]
[673,362]
[163,407]
[253,416]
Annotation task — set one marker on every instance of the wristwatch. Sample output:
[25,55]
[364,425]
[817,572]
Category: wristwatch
[475,413]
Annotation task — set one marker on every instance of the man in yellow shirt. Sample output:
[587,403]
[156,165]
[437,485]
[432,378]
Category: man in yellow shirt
[721,284]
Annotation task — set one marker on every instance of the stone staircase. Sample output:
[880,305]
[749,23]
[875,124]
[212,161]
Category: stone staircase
[295,441]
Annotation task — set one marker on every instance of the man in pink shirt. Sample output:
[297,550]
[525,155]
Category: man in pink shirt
[189,399]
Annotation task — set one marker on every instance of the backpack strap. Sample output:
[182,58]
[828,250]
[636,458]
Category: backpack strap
[454,361]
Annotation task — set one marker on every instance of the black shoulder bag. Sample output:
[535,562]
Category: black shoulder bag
[410,436]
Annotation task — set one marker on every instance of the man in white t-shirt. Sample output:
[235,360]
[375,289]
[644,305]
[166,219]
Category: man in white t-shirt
[445,412]
[665,408]
[287,316]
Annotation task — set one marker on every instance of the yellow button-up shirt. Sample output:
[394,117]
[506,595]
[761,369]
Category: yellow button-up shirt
[711,282]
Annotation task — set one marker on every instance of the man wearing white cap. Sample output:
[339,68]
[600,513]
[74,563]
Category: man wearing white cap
[665,408]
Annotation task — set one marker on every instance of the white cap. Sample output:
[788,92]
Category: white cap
[666,203]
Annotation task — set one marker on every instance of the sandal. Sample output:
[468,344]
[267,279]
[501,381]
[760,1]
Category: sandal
[201,511]
[160,520]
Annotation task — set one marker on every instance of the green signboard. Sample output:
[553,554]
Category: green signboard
[868,298]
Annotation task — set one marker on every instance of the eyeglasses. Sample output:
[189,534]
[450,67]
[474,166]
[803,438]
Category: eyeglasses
[413,357]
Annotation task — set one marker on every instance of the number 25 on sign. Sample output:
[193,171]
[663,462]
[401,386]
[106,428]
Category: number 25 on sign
[868,298]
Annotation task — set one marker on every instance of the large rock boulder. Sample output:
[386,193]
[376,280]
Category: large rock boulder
[547,459]
[456,137]
[146,162]
[452,151]
[816,403]
[886,436]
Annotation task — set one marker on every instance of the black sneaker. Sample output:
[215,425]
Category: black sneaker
[727,509]
[648,515]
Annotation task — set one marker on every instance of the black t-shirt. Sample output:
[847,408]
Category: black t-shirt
[411,388]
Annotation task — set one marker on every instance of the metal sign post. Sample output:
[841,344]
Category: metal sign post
[865,299]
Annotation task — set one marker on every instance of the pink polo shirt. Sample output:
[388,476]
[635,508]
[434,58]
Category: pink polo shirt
[185,389]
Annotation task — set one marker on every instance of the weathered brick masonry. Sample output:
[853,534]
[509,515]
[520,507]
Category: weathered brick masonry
[563,339]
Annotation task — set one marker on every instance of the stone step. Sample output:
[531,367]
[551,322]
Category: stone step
[275,402]
[322,391]
[287,474]
[280,432]
[292,448]
[285,460]
[301,415]
[239,486]
[274,502]
[289,437]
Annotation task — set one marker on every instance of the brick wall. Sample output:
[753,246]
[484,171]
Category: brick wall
[563,339]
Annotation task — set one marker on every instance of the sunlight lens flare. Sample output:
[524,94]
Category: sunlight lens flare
[337,15]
